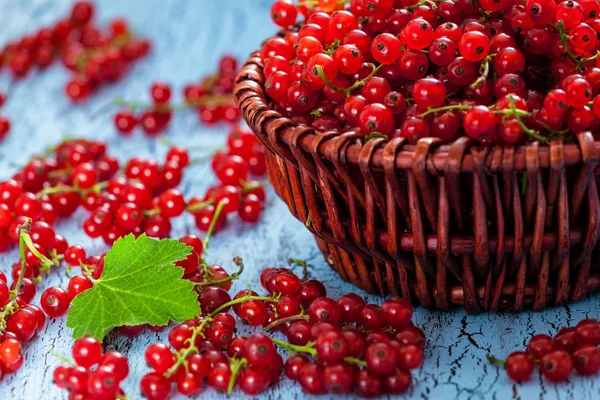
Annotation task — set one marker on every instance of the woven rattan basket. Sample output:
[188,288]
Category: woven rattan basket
[497,228]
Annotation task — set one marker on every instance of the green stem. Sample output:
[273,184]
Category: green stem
[303,264]
[563,39]
[12,304]
[211,228]
[58,189]
[199,206]
[309,348]
[592,58]
[242,300]
[183,355]
[445,108]
[234,276]
[249,186]
[236,367]
[63,358]
[25,239]
[198,330]
[414,6]
[246,187]
[356,85]
[494,360]
[299,317]
[525,129]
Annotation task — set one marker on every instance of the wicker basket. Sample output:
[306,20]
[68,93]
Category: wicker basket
[498,228]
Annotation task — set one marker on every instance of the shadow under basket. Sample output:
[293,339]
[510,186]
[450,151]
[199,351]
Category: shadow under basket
[499,228]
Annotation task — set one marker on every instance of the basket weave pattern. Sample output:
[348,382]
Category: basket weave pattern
[497,228]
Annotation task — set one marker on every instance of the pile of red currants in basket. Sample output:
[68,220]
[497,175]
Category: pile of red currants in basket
[501,71]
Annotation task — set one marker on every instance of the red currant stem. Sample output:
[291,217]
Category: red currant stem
[60,188]
[308,3]
[59,172]
[430,3]
[302,263]
[249,186]
[563,39]
[494,360]
[592,58]
[356,85]
[445,108]
[310,349]
[420,3]
[63,358]
[234,276]
[236,366]
[12,304]
[374,135]
[485,66]
[246,187]
[199,206]
[211,228]
[273,299]
[207,270]
[45,261]
[87,270]
[182,355]
[525,129]
[356,361]
[23,236]
[45,268]
[299,317]
[553,133]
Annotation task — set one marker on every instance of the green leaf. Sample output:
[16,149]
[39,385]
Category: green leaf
[139,285]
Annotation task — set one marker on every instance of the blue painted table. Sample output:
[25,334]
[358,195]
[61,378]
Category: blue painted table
[189,36]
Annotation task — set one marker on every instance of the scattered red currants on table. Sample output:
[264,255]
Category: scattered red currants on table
[92,373]
[95,57]
[338,346]
[571,349]
[415,69]
[212,98]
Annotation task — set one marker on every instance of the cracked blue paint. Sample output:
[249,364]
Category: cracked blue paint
[189,36]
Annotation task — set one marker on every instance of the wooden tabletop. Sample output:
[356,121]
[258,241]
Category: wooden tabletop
[189,36]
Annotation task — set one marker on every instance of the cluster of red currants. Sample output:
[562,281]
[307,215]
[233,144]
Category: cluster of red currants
[54,185]
[4,122]
[154,119]
[93,374]
[384,342]
[94,56]
[97,57]
[573,348]
[142,201]
[20,319]
[81,173]
[372,359]
[212,98]
[55,301]
[213,95]
[244,157]
[415,68]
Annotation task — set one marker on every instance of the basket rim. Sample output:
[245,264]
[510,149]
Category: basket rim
[249,84]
